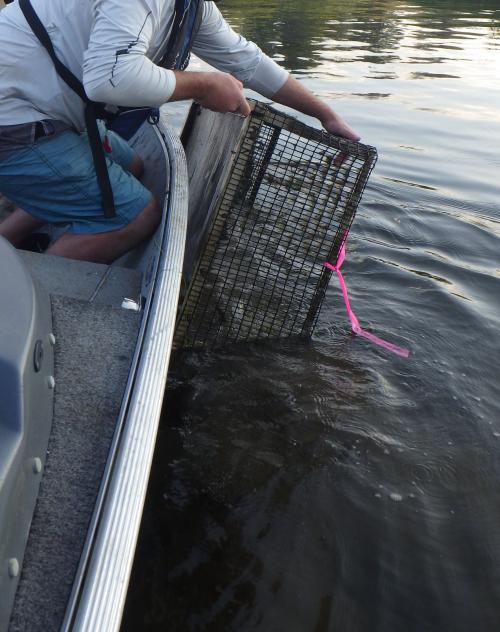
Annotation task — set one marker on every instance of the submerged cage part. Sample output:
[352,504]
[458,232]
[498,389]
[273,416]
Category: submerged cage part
[272,199]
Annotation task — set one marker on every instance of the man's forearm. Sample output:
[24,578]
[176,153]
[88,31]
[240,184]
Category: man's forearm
[294,95]
[223,93]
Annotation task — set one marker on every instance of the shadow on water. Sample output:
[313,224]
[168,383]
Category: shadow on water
[289,493]
[325,485]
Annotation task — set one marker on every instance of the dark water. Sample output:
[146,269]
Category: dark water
[330,486]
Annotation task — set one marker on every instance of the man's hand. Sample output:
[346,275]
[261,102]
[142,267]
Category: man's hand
[217,91]
[334,124]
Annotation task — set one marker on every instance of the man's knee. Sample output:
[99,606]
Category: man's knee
[147,221]
[136,167]
[153,211]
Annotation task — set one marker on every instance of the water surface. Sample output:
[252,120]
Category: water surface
[328,485]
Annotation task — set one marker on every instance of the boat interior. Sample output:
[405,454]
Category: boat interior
[84,355]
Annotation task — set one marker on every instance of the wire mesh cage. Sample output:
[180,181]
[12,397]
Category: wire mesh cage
[283,206]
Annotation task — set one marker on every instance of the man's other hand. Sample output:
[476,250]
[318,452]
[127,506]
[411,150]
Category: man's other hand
[336,125]
[217,91]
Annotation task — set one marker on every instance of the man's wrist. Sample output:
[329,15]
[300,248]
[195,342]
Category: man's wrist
[322,111]
[190,85]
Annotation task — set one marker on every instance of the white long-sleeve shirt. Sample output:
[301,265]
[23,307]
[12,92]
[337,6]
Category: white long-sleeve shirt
[111,46]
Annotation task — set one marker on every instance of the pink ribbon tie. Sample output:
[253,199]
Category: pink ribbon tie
[401,351]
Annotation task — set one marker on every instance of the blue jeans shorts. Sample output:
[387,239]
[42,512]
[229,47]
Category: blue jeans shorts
[54,180]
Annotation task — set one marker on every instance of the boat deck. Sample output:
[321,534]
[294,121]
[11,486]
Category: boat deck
[95,342]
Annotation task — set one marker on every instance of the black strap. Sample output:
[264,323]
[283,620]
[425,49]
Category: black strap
[101,168]
[177,35]
[181,24]
[76,85]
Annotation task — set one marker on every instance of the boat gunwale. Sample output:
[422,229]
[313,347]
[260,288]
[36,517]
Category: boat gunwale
[100,586]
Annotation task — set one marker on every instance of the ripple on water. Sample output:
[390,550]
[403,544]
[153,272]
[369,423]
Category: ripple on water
[330,485]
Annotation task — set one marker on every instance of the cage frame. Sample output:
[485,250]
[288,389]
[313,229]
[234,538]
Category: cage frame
[226,193]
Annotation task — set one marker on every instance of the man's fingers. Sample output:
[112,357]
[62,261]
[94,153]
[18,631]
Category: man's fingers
[337,126]
[243,108]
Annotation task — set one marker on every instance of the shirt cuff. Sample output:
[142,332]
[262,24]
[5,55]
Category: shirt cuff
[268,77]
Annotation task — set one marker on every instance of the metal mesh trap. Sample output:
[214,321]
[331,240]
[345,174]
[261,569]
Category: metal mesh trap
[283,197]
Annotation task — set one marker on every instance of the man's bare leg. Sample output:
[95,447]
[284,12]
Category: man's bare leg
[18,225]
[106,247]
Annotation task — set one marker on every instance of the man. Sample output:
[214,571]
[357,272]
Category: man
[116,48]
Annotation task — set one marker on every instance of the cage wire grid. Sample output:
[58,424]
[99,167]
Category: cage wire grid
[287,207]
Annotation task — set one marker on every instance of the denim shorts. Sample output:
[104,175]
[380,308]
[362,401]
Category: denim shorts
[54,180]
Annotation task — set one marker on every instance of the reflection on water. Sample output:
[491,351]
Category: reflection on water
[304,34]
[326,485]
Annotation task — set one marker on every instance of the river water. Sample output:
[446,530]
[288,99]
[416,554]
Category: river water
[329,485]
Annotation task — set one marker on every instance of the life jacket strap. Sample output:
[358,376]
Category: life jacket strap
[76,85]
[187,19]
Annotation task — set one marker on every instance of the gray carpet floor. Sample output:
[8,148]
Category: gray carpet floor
[94,347]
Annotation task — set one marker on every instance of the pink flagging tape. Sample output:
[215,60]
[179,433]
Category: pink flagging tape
[401,351]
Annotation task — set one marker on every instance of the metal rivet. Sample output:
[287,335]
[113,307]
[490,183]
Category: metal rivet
[38,355]
[37,465]
[52,339]
[13,567]
[51,382]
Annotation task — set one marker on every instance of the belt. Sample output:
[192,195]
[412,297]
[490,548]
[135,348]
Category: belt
[40,130]
[47,127]
[13,137]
